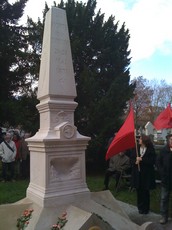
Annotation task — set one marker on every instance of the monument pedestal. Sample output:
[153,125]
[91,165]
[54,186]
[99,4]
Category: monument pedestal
[57,172]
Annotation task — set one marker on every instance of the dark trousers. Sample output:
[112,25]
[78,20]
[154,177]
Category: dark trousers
[164,203]
[109,174]
[8,171]
[17,169]
[25,168]
[143,200]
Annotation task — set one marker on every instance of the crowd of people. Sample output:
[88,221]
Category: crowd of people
[144,163]
[14,156]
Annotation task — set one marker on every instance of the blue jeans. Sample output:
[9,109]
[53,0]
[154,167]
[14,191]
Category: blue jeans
[164,203]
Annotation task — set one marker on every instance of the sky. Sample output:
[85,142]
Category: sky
[149,24]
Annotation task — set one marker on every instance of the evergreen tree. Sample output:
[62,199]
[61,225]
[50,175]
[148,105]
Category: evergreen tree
[101,65]
[12,43]
[20,49]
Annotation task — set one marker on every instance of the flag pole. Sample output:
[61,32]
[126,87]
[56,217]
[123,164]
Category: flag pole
[137,154]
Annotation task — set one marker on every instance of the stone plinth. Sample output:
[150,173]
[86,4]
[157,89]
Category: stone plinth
[57,171]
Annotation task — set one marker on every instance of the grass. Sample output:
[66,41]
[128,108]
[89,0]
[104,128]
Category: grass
[11,192]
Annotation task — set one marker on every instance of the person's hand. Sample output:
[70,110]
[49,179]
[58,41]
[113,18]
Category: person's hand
[138,159]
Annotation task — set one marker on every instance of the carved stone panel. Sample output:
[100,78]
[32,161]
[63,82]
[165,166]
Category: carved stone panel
[64,168]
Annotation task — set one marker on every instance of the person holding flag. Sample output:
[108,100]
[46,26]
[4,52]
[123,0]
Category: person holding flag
[143,172]
[142,159]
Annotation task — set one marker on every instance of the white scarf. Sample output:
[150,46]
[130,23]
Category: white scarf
[142,151]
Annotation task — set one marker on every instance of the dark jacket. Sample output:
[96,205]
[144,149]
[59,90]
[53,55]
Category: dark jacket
[144,176]
[164,166]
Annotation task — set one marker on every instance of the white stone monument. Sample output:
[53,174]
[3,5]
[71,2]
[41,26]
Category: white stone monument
[57,150]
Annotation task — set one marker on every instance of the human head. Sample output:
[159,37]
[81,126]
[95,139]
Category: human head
[7,137]
[145,140]
[16,136]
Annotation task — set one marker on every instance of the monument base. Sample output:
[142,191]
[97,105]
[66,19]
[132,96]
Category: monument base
[101,209]
[54,199]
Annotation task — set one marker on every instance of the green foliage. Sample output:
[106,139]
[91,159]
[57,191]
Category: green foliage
[29,115]
[60,222]
[19,60]
[23,221]
[21,111]
[12,42]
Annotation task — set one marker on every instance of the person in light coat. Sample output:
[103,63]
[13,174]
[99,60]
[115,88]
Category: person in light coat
[8,154]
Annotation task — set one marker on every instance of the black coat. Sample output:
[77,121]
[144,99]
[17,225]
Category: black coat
[144,176]
[164,166]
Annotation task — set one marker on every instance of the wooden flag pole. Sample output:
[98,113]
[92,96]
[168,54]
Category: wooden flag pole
[137,154]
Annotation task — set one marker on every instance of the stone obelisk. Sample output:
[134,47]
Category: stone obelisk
[57,150]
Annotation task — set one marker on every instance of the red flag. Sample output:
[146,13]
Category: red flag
[164,120]
[125,138]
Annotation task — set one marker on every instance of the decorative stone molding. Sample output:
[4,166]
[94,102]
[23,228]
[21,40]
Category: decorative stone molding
[66,130]
[62,116]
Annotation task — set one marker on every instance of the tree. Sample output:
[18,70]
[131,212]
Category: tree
[12,43]
[142,101]
[101,65]
[151,97]
[161,97]
[28,119]
[20,49]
